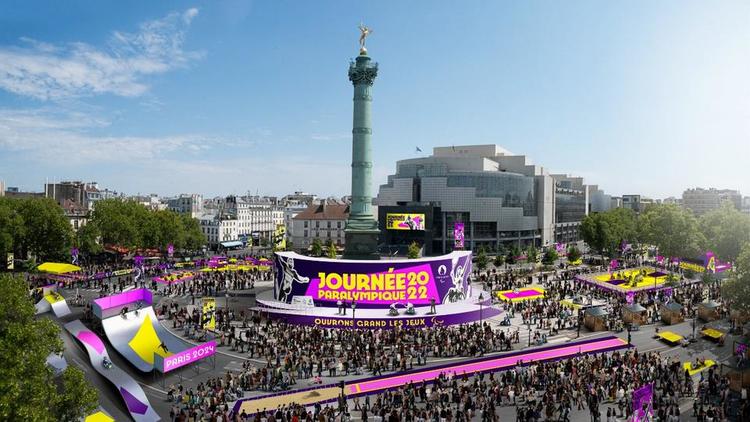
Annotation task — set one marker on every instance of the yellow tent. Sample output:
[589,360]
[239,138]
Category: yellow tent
[57,268]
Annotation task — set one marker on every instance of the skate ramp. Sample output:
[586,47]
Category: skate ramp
[146,343]
[131,392]
[52,301]
[138,337]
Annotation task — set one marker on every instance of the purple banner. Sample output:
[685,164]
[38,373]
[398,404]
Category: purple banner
[643,403]
[714,265]
[458,235]
[613,264]
[384,323]
[373,284]
[740,349]
[630,297]
[186,357]
[120,300]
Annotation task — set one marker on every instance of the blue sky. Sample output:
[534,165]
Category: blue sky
[219,97]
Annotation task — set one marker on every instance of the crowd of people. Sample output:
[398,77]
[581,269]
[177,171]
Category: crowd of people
[279,356]
[290,353]
[601,385]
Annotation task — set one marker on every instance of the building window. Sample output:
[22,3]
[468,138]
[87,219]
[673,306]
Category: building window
[338,224]
[305,224]
[305,233]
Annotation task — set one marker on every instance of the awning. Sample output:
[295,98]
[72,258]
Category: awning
[596,311]
[709,304]
[232,244]
[57,268]
[673,306]
[635,308]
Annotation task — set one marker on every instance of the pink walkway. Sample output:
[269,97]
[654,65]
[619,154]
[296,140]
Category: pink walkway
[488,365]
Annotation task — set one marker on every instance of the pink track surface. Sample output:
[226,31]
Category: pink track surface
[493,364]
[523,293]
[92,340]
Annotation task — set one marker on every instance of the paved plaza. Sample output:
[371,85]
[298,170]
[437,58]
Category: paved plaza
[645,340]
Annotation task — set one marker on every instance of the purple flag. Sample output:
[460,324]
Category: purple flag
[643,403]
[458,235]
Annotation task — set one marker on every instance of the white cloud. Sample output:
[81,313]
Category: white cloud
[68,137]
[49,72]
[40,142]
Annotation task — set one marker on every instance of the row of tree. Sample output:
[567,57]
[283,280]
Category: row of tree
[132,225]
[316,249]
[549,257]
[38,227]
[35,226]
[737,288]
[676,231]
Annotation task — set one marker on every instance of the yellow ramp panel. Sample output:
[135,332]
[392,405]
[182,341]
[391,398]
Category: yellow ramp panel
[99,417]
[146,342]
[54,297]
[692,371]
[670,336]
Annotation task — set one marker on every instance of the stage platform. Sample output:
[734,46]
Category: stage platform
[330,392]
[470,310]
[619,281]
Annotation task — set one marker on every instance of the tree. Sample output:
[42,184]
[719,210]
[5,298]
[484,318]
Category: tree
[414,250]
[34,225]
[499,260]
[482,259]
[726,231]
[550,256]
[118,222]
[331,250]
[87,239]
[316,249]
[606,231]
[11,226]
[28,391]
[674,230]
[193,235]
[513,252]
[573,254]
[132,225]
[736,290]
[80,399]
[532,254]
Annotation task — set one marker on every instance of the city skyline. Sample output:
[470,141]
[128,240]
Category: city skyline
[214,98]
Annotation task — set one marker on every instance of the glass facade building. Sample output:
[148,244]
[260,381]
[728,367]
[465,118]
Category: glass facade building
[499,197]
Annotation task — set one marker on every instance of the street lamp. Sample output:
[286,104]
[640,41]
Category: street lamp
[481,298]
[226,293]
[529,333]
[695,315]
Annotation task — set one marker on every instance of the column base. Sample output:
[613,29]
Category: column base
[361,244]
